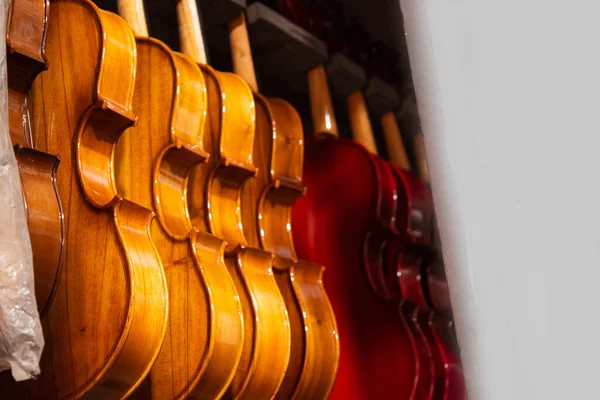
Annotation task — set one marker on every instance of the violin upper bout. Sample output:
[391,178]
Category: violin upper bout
[189,113]
[116,74]
[26,29]
[105,120]
[238,116]
[287,153]
[288,141]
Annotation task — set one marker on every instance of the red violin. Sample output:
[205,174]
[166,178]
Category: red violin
[342,223]
[417,272]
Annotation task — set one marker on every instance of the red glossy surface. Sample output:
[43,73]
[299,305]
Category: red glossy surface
[342,209]
[450,381]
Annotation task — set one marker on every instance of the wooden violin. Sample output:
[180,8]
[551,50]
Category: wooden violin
[26,58]
[411,205]
[418,277]
[268,199]
[401,274]
[105,326]
[203,344]
[427,287]
[332,225]
[217,194]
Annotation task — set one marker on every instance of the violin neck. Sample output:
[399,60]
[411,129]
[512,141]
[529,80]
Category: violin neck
[320,102]
[362,131]
[190,31]
[393,141]
[132,11]
[419,148]
[241,53]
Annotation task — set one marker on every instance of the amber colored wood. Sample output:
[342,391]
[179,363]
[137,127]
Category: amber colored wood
[323,115]
[204,338]
[241,53]
[393,141]
[266,206]
[26,29]
[360,124]
[215,198]
[26,41]
[419,149]
[107,322]
[44,220]
[279,157]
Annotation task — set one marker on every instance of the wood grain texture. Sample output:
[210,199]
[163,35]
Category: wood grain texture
[215,198]
[45,220]
[204,337]
[279,154]
[108,318]
[26,41]
[230,138]
[362,131]
[393,141]
[266,205]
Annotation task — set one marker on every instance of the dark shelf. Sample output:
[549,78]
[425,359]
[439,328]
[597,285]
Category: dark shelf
[345,76]
[219,12]
[381,97]
[282,50]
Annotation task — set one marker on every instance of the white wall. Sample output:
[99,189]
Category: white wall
[509,100]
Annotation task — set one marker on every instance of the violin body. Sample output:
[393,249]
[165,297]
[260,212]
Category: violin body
[449,376]
[278,153]
[425,290]
[26,42]
[204,337]
[450,380]
[107,321]
[215,196]
[334,225]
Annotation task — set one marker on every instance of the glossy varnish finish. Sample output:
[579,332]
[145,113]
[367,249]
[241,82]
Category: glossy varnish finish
[107,321]
[205,330]
[421,280]
[26,42]
[331,225]
[279,152]
[266,206]
[215,196]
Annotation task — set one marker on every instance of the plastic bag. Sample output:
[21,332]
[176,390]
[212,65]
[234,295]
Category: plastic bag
[21,339]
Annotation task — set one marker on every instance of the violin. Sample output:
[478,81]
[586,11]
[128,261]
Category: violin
[428,288]
[332,225]
[26,58]
[409,222]
[401,276]
[418,278]
[203,344]
[105,326]
[217,193]
[278,156]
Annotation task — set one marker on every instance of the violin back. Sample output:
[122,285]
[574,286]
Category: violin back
[26,41]
[330,226]
[216,196]
[205,331]
[278,154]
[108,318]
